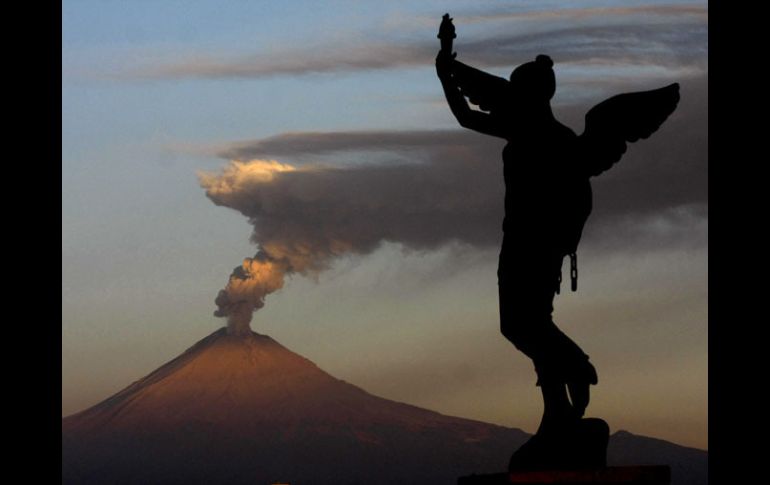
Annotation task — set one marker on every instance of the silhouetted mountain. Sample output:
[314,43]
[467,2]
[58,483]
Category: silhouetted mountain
[689,466]
[244,409]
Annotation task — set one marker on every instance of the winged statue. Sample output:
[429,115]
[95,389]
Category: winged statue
[547,169]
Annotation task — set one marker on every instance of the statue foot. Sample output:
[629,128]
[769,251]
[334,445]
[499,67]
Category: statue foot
[581,445]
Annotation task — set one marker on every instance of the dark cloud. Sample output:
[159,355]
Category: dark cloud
[630,38]
[419,204]
[677,44]
[301,145]
[597,13]
[452,190]
[328,58]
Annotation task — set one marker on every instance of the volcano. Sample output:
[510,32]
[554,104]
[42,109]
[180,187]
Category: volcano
[244,409]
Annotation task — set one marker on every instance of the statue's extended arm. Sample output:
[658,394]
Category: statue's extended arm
[467,117]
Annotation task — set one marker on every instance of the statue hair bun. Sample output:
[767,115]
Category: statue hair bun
[544,60]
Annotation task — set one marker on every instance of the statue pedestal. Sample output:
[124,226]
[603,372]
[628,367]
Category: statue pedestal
[614,475]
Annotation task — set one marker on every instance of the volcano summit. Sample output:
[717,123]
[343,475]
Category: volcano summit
[244,409]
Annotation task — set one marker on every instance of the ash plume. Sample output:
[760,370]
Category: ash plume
[304,214]
[246,290]
[304,217]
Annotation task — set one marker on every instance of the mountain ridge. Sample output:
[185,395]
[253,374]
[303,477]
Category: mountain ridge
[245,409]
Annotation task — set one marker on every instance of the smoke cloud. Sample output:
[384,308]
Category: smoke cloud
[304,217]
[245,292]
[424,189]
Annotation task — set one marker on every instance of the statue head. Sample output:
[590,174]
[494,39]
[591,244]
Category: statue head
[535,79]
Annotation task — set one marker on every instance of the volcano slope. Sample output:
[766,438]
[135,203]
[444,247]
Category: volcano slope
[244,409]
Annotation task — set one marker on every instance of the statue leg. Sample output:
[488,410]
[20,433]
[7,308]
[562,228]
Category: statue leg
[557,411]
[579,385]
[563,440]
[526,304]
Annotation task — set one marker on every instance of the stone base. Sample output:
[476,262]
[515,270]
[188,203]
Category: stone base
[614,475]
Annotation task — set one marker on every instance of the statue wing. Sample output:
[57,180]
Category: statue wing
[485,90]
[620,119]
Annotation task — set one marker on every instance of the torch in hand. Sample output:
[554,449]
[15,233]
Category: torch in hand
[446,32]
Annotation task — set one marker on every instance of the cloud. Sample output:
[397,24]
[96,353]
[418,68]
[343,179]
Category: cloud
[305,144]
[591,14]
[614,35]
[447,167]
[677,44]
[327,58]
[439,187]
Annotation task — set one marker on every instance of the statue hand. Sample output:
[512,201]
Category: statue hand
[444,63]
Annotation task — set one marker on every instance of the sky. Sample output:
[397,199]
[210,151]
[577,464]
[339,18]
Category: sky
[195,133]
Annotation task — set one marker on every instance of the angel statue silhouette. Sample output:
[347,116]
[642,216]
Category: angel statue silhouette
[547,170]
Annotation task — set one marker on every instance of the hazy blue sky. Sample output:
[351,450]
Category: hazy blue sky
[155,93]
